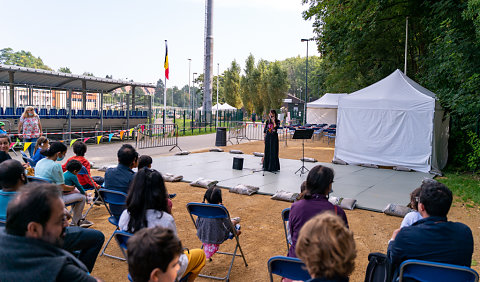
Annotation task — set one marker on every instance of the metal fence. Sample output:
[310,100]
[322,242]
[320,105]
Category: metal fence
[238,131]
[156,135]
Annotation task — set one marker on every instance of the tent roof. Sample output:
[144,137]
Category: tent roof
[394,92]
[226,106]
[45,78]
[328,100]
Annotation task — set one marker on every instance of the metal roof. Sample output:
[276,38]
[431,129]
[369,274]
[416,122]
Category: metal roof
[45,78]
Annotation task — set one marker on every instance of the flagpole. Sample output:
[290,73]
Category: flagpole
[165,90]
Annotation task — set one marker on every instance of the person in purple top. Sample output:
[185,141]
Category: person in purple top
[315,201]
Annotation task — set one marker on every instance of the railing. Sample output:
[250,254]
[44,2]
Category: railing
[252,131]
[156,135]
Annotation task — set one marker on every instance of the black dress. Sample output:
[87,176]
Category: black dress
[270,160]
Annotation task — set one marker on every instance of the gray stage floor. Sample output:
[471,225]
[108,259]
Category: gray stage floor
[373,188]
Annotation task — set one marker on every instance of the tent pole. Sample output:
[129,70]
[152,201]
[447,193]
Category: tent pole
[406,41]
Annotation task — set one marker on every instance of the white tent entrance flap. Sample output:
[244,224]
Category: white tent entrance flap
[324,110]
[391,123]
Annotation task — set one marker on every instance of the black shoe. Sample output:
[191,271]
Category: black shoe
[171,196]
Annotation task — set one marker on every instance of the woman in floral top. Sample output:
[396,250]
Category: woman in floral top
[30,127]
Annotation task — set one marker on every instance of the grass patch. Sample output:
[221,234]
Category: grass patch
[464,185]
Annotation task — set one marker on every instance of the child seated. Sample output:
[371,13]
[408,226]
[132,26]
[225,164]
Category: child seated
[153,255]
[214,231]
[70,176]
[144,161]
[80,148]
[413,216]
[42,144]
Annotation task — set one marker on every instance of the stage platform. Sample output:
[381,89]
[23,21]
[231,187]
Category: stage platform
[373,188]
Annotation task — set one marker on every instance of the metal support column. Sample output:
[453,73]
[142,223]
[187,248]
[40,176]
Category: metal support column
[11,80]
[101,111]
[69,107]
[128,113]
[30,95]
[84,95]
[133,98]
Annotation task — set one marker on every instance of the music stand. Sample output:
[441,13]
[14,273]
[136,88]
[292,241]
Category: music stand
[303,134]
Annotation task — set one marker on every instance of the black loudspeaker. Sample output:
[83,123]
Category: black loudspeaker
[237,163]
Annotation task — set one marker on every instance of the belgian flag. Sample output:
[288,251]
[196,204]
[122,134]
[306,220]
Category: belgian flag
[166,60]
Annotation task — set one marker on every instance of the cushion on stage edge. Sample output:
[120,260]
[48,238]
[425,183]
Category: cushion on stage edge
[236,152]
[204,183]
[244,189]
[344,203]
[308,160]
[182,153]
[258,154]
[285,196]
[216,150]
[396,210]
[171,177]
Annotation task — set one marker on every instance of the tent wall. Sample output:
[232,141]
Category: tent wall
[385,137]
[441,130]
[321,115]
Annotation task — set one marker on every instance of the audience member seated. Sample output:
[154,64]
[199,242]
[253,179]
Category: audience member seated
[48,168]
[119,178]
[79,149]
[42,144]
[70,176]
[153,255]
[433,238]
[315,201]
[327,248]
[2,128]
[147,207]
[144,161]
[4,147]
[87,241]
[413,216]
[35,229]
[214,231]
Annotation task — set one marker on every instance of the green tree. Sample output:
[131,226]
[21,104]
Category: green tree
[21,58]
[277,85]
[248,88]
[64,70]
[231,85]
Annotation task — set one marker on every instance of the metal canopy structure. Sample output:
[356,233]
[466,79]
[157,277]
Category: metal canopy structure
[52,79]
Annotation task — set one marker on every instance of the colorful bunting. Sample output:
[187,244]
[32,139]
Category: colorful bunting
[110,137]
[121,134]
[86,139]
[73,141]
[98,139]
[12,144]
[26,145]
[131,130]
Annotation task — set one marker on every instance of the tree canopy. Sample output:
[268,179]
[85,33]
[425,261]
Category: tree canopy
[22,59]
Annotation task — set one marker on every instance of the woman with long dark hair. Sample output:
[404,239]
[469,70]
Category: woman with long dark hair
[147,207]
[315,201]
[270,159]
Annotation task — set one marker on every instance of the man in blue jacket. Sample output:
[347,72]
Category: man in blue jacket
[433,238]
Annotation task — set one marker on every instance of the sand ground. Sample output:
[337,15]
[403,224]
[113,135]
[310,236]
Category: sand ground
[262,229]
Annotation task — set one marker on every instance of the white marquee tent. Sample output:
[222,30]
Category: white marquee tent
[324,110]
[393,122]
[221,107]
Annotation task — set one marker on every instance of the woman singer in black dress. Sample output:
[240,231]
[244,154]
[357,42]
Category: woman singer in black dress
[270,160]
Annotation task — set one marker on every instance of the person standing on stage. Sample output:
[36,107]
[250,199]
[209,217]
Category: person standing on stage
[270,160]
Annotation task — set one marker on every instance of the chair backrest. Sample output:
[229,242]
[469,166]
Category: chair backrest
[434,271]
[27,159]
[208,210]
[38,179]
[122,238]
[115,199]
[285,215]
[291,268]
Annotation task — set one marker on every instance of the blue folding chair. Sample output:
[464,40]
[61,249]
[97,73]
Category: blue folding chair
[84,171]
[28,160]
[285,215]
[216,211]
[287,267]
[122,237]
[38,179]
[3,222]
[115,203]
[423,271]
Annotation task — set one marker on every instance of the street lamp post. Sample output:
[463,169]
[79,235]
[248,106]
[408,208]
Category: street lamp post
[218,78]
[194,107]
[306,84]
[189,95]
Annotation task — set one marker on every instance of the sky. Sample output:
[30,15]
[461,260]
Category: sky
[126,38]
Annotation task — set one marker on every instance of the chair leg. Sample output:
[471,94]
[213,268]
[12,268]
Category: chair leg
[106,245]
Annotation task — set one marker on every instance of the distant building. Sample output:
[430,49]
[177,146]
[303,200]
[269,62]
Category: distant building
[294,106]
